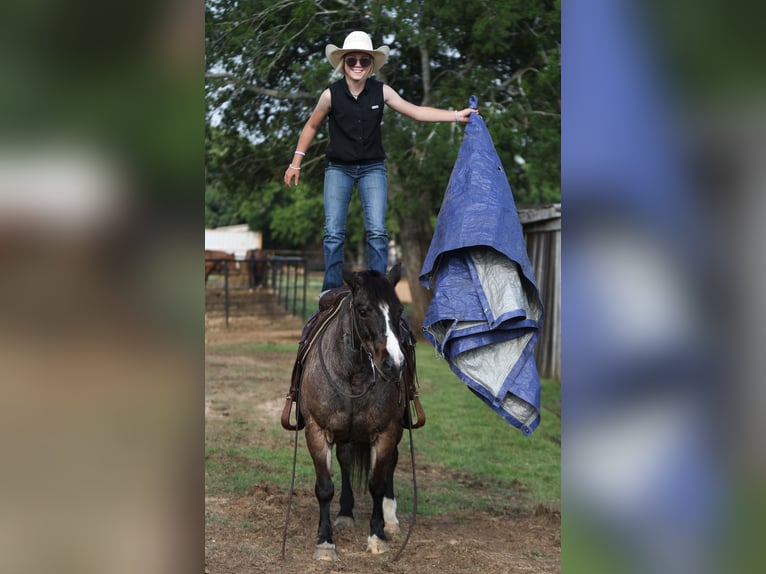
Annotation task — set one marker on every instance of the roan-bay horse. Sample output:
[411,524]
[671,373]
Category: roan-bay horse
[352,397]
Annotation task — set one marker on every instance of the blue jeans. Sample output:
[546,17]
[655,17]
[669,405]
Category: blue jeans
[339,180]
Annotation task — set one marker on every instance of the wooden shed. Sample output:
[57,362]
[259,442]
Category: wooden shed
[542,234]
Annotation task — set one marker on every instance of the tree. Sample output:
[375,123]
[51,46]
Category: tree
[266,68]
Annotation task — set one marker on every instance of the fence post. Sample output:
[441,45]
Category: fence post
[305,286]
[226,289]
[295,288]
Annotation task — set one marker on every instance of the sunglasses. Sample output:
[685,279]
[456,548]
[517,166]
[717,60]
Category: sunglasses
[352,61]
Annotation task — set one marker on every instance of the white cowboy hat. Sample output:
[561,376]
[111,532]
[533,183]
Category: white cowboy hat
[357,42]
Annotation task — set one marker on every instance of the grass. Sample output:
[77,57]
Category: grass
[251,349]
[236,469]
[467,456]
[313,289]
[463,433]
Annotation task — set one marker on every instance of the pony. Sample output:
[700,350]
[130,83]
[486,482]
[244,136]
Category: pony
[352,398]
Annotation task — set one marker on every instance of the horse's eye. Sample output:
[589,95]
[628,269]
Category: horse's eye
[362,311]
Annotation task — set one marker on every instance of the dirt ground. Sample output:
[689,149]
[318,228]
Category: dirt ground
[244,533]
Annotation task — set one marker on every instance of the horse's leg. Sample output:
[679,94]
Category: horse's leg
[345,516]
[321,453]
[389,500]
[384,457]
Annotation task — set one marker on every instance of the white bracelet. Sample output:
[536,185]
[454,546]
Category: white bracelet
[300,153]
[456,120]
[291,166]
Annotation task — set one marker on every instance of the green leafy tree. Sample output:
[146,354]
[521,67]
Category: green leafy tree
[220,208]
[266,68]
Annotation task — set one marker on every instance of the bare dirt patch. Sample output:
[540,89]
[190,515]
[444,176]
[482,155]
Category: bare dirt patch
[244,532]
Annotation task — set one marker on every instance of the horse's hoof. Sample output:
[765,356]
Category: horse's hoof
[342,522]
[392,528]
[375,545]
[325,551]
[325,554]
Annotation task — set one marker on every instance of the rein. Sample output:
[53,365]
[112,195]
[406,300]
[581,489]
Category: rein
[414,493]
[292,482]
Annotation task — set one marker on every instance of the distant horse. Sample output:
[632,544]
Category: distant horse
[215,262]
[352,397]
[257,262]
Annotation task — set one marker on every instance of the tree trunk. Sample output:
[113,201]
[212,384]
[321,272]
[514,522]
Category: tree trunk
[415,234]
[415,239]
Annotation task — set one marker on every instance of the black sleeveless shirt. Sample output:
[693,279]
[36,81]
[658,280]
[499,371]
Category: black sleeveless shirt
[355,135]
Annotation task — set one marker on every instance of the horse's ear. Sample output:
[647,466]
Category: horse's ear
[349,277]
[395,273]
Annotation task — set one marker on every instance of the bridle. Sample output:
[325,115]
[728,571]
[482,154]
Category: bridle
[363,348]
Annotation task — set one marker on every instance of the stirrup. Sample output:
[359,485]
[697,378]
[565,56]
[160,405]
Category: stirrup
[421,414]
[286,410]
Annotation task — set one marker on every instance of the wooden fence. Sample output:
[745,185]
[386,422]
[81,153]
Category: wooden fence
[542,234]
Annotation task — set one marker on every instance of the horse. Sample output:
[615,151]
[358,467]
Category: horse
[216,260]
[257,261]
[352,397]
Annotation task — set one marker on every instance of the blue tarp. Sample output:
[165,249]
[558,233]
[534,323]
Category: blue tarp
[486,312]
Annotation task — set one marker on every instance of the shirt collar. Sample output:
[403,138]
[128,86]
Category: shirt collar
[364,89]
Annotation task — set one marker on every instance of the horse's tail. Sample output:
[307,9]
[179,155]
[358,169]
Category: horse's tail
[360,464]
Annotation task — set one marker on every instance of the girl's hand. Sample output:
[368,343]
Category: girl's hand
[465,114]
[292,173]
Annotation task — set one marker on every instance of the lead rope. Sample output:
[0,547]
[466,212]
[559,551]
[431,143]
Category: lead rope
[292,478]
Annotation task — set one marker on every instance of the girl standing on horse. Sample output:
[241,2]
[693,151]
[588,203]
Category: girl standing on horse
[354,105]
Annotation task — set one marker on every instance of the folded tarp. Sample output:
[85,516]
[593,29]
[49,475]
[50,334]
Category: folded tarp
[486,312]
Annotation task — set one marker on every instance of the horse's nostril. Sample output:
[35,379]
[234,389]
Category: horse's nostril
[390,365]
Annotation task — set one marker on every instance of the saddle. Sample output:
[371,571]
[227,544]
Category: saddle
[329,305]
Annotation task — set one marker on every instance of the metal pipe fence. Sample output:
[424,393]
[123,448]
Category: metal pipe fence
[285,278]
[289,277]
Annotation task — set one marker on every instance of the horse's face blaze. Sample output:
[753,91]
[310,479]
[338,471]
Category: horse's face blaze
[378,313]
[393,358]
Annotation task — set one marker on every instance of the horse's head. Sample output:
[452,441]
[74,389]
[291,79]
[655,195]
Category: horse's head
[377,314]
